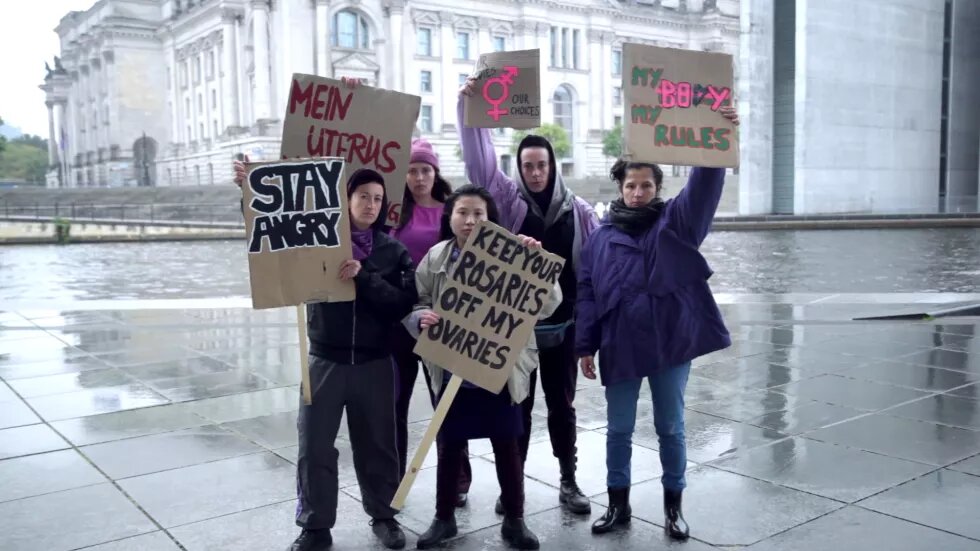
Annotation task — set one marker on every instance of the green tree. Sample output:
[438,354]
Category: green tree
[612,142]
[3,140]
[553,133]
[25,158]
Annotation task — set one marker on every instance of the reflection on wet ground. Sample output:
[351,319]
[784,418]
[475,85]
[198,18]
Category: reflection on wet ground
[167,429]
[826,261]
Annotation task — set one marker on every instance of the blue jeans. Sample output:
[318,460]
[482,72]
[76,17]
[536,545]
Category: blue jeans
[667,390]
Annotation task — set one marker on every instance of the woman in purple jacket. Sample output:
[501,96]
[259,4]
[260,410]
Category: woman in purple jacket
[644,304]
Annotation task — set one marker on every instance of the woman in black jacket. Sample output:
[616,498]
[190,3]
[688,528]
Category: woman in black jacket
[351,367]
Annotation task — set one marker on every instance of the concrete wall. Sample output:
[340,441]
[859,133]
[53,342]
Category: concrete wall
[869,80]
[963,153]
[755,89]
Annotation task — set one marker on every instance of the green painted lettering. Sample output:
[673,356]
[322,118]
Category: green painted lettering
[706,132]
[721,136]
[660,136]
[692,139]
[677,136]
[640,74]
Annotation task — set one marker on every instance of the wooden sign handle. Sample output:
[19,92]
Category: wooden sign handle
[430,435]
[304,358]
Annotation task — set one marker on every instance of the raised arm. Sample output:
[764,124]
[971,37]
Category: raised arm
[694,207]
[480,159]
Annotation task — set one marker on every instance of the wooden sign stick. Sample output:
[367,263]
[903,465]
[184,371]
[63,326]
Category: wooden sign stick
[452,387]
[304,358]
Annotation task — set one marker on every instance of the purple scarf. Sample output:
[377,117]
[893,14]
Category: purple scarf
[362,241]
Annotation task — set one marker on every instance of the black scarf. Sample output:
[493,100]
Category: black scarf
[634,220]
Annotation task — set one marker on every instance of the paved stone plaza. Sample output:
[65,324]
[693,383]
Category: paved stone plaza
[165,425]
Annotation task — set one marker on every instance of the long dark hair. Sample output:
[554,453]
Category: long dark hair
[441,189]
[445,229]
[618,173]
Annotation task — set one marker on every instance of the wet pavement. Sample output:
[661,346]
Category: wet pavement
[164,425]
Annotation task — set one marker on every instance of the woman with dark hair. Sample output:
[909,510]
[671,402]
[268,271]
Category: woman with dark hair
[351,368]
[645,305]
[475,413]
[418,229]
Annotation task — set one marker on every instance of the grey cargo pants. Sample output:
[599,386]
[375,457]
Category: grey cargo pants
[367,391]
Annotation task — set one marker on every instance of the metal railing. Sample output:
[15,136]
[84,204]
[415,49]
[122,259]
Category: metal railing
[219,214]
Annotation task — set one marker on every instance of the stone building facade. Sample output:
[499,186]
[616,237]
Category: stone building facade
[206,80]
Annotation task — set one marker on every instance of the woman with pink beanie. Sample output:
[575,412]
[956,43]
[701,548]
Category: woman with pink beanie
[418,229]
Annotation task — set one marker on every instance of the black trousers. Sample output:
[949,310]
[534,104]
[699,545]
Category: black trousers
[559,377]
[408,371]
[367,391]
[510,475]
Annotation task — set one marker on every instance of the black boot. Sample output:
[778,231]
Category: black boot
[312,540]
[389,532]
[674,524]
[517,534]
[438,532]
[618,513]
[569,493]
[499,507]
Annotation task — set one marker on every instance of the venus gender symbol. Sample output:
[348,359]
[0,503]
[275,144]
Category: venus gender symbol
[503,81]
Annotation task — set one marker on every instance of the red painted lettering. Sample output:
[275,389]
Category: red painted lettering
[299,96]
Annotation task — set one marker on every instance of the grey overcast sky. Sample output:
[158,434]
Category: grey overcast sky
[27,40]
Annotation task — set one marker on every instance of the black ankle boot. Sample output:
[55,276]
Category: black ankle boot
[389,532]
[438,532]
[499,507]
[569,493]
[517,534]
[674,524]
[618,513]
[312,540]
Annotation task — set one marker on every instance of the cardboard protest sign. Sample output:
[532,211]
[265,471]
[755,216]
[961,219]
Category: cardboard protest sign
[489,306]
[673,99]
[298,232]
[367,127]
[508,93]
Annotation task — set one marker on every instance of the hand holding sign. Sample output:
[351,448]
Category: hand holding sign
[485,314]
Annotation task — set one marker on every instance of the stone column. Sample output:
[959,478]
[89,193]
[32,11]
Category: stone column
[755,87]
[260,41]
[484,44]
[605,69]
[322,39]
[597,80]
[52,136]
[450,82]
[229,74]
[396,17]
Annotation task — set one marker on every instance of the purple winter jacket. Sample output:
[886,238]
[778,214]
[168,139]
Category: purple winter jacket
[644,303]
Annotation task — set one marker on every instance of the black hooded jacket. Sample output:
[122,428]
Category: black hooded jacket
[553,226]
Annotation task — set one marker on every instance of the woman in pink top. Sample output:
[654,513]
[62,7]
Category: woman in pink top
[418,229]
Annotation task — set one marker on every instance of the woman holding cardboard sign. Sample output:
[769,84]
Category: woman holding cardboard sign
[539,204]
[644,303]
[475,413]
[351,368]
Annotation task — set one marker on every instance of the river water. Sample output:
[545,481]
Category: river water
[824,261]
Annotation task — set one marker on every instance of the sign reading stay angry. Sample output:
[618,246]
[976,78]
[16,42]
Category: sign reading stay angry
[296,220]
